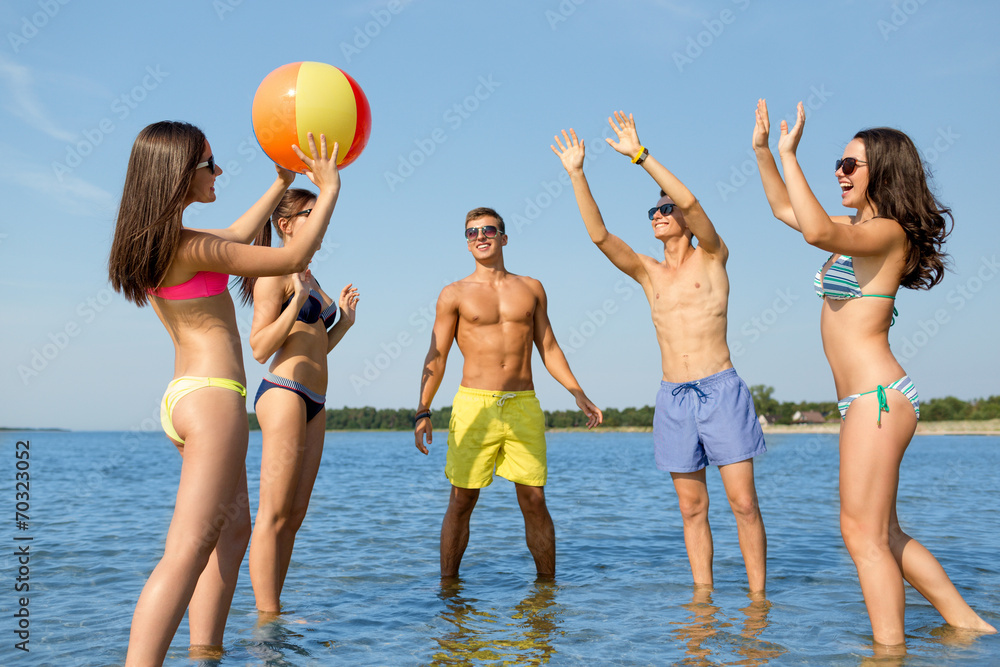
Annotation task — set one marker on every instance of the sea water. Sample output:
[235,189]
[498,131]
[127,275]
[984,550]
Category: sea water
[363,586]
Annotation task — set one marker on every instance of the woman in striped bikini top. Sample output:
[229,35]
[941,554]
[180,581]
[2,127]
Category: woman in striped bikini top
[898,227]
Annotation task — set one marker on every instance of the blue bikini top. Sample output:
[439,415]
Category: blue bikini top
[312,310]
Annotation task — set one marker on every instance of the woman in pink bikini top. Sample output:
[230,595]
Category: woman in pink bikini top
[183,273]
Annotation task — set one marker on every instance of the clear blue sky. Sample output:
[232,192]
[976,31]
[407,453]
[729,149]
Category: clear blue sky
[495,81]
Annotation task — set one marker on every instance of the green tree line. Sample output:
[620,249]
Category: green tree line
[948,408]
[369,418]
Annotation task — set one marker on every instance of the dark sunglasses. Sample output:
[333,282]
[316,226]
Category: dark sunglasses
[666,209]
[210,163]
[849,164]
[305,212]
[489,231]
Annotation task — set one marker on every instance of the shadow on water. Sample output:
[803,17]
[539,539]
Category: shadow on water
[705,628]
[477,633]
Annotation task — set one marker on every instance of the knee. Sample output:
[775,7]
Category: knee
[532,503]
[863,535]
[693,508]
[462,502]
[745,508]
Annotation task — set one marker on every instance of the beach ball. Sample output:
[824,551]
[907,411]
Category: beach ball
[310,97]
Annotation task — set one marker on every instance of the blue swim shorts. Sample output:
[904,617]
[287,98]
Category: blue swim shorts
[707,421]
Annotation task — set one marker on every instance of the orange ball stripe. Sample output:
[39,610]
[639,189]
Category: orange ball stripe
[274,116]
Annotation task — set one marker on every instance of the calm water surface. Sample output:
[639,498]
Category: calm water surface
[363,586]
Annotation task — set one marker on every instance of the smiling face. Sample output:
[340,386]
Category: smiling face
[853,186]
[482,247]
[670,225]
[202,187]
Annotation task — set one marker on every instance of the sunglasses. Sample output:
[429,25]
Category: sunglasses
[305,212]
[210,163]
[665,209]
[849,164]
[489,231]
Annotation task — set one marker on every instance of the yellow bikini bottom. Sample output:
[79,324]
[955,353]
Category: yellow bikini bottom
[183,386]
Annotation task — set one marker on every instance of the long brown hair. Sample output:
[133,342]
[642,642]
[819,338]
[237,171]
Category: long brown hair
[897,186]
[291,203]
[160,170]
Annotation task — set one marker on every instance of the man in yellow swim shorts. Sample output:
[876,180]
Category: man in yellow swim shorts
[496,421]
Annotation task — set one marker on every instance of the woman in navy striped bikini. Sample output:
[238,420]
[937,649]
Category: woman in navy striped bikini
[893,240]
[293,320]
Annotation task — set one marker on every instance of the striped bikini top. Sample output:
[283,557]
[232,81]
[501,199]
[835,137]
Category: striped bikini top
[839,282]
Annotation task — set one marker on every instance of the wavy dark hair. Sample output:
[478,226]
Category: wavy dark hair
[897,187]
[148,229]
[291,203]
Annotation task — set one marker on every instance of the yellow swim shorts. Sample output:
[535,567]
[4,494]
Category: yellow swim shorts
[505,429]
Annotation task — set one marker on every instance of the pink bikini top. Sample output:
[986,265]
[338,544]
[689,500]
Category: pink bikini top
[202,284]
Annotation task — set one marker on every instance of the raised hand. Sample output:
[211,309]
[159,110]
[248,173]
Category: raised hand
[348,303]
[762,128]
[322,165]
[301,282]
[572,153]
[788,142]
[628,143]
[286,176]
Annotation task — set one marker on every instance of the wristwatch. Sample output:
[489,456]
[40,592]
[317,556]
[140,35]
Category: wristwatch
[640,156]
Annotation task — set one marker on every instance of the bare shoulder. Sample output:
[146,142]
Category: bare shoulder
[270,286]
[530,284]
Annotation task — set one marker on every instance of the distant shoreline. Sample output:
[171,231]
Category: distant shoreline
[958,427]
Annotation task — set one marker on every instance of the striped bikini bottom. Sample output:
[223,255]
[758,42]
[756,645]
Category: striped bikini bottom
[903,385]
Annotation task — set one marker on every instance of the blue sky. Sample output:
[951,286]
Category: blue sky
[465,99]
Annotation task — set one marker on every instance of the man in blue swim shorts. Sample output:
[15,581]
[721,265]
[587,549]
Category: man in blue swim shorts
[704,413]
[496,422]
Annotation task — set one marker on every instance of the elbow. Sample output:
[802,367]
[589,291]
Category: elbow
[813,237]
[259,353]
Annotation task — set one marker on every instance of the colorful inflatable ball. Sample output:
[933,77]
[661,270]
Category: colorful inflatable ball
[310,97]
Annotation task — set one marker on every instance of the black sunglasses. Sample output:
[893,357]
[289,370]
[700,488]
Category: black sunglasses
[305,212]
[849,164]
[210,163]
[665,209]
[489,231]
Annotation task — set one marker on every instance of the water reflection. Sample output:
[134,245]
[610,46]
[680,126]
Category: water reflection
[275,639]
[705,629]
[522,635]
